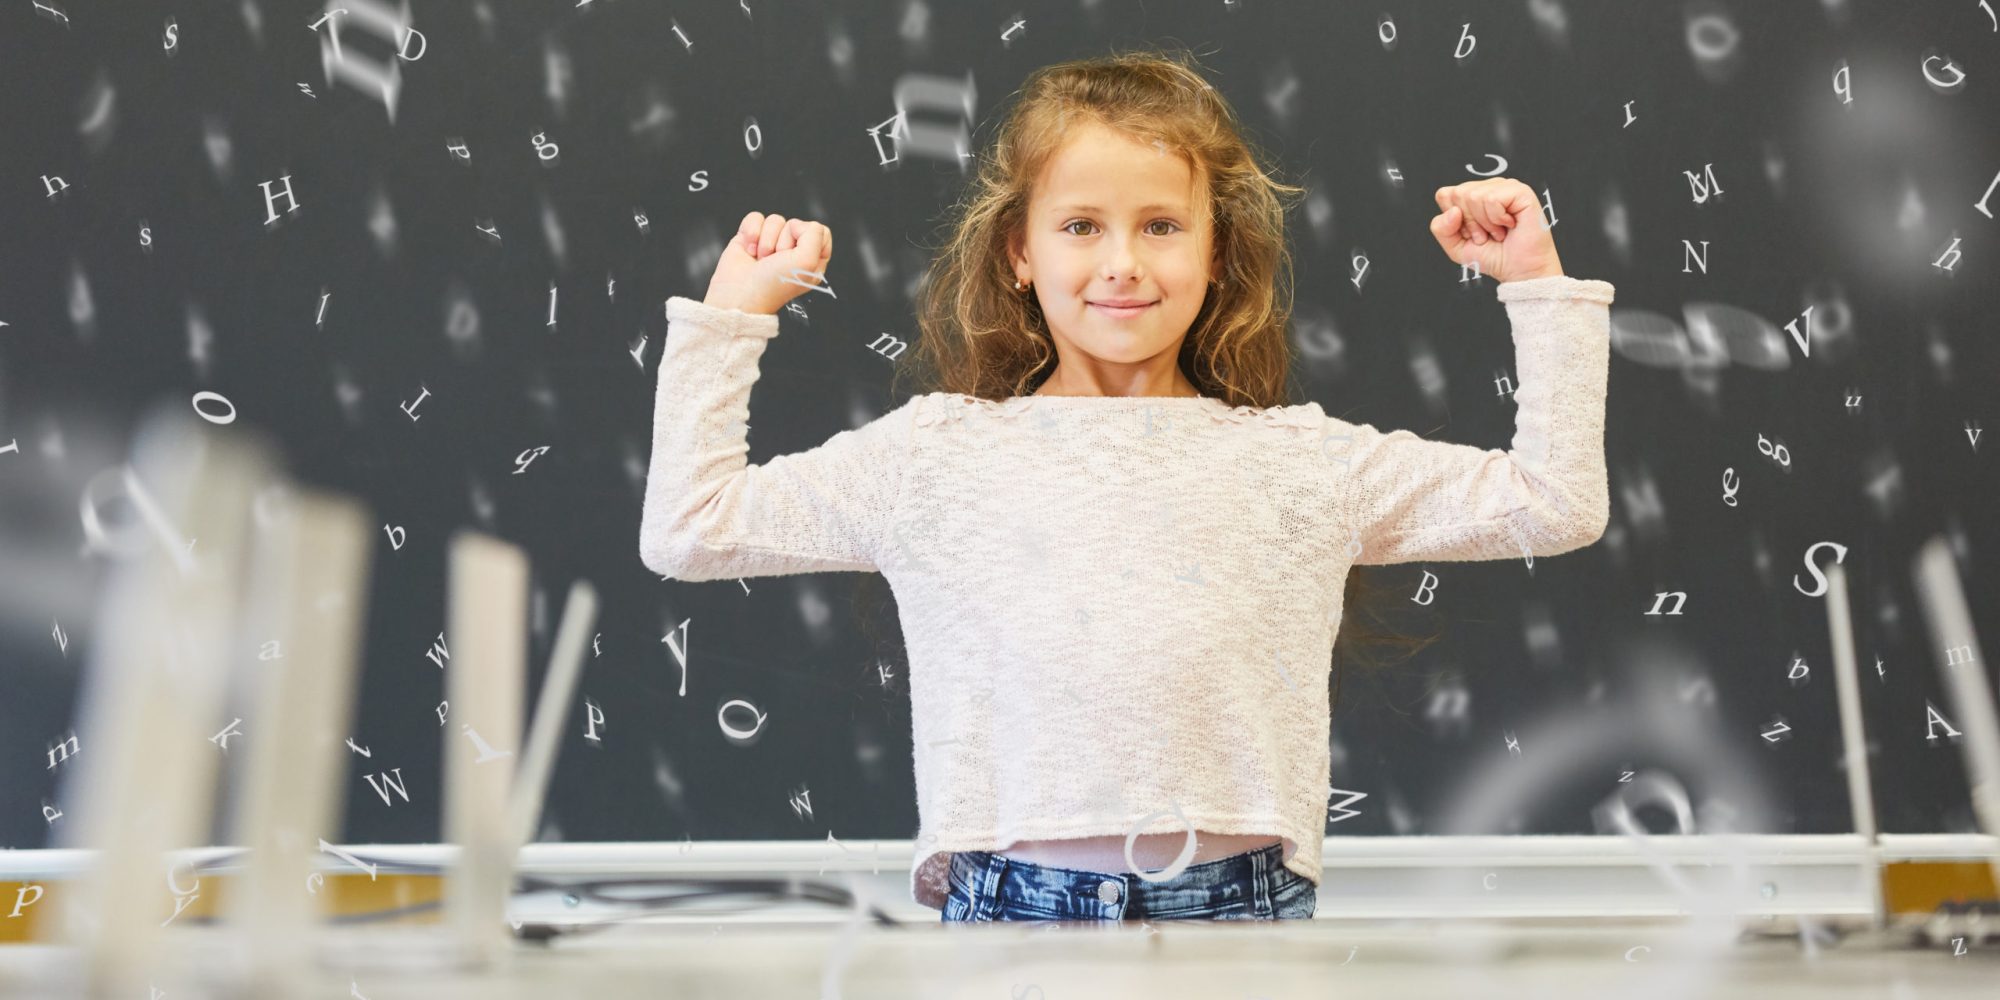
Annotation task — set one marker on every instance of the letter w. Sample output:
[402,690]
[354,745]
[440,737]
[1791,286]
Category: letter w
[388,783]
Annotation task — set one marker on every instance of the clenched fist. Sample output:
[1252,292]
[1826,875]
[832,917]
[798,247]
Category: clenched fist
[1498,223]
[770,261]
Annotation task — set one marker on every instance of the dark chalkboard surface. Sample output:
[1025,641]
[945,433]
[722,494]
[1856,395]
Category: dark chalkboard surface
[363,254]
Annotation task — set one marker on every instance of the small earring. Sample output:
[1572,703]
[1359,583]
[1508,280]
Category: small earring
[1018,286]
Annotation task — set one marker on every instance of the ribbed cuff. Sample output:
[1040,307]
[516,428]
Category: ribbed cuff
[1556,286]
[734,322]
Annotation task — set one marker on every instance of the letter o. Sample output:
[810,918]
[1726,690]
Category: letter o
[1719,35]
[205,396]
[1180,862]
[733,733]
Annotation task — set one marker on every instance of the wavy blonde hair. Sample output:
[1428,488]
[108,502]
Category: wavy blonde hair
[980,337]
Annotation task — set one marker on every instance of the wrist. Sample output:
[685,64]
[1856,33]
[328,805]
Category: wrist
[1548,272]
[725,302]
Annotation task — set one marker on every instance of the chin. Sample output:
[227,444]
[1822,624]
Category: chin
[1131,356]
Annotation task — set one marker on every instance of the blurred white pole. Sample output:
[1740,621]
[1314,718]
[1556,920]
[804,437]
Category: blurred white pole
[140,784]
[484,678]
[313,579]
[1957,648]
[1853,732]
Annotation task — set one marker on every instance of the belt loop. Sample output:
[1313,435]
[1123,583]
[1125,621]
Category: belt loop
[996,869]
[1260,885]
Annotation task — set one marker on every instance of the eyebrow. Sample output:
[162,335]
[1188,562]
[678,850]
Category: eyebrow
[1094,208]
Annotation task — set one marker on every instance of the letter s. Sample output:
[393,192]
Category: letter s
[1819,585]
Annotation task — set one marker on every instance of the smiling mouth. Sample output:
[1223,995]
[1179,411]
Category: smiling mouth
[1122,310]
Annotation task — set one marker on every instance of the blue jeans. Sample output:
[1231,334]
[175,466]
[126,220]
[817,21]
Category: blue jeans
[1254,885]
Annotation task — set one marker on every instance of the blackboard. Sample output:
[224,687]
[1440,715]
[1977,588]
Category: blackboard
[197,200]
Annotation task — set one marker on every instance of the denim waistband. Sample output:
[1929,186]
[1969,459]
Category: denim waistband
[1072,893]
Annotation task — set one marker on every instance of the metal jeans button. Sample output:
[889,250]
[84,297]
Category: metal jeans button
[1107,891]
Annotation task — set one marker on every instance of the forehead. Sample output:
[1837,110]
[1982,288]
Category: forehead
[1099,167]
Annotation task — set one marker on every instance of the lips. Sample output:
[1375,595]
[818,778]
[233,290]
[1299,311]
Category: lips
[1121,311]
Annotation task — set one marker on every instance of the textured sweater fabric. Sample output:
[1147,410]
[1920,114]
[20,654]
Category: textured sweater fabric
[1119,611]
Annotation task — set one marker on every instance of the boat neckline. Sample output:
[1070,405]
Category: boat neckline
[1147,399]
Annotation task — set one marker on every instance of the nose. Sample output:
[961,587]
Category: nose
[1121,260]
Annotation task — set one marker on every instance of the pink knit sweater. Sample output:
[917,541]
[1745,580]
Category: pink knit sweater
[1119,611]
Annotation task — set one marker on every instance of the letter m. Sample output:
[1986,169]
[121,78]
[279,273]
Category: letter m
[1703,189]
[879,350]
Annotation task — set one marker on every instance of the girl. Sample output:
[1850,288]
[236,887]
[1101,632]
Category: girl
[1116,551]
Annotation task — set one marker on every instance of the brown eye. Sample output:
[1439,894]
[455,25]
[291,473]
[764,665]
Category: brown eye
[1081,222]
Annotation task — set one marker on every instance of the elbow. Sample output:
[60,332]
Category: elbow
[1586,523]
[656,558]
[664,545]
[672,558]
[1596,520]
[681,552]
[657,551]
[655,548]
[675,542]
[1570,525]
[1597,507]
[1567,512]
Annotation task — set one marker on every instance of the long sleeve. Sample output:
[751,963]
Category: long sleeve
[709,515]
[1411,499]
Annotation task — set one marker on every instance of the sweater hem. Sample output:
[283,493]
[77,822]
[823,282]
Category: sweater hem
[1558,287]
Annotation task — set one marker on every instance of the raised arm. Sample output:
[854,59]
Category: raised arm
[709,515]
[1410,499]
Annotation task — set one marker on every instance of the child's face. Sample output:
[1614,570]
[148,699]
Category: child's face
[1143,236]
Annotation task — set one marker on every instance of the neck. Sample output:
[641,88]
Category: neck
[1178,387]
